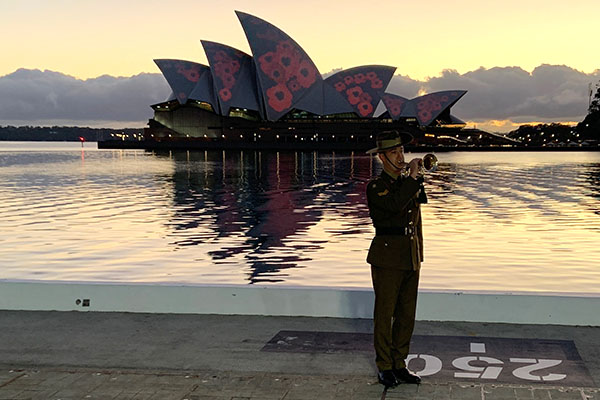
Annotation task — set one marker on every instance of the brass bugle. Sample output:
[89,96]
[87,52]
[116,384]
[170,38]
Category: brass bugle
[429,163]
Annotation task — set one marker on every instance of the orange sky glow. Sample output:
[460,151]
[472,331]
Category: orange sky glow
[86,39]
[91,38]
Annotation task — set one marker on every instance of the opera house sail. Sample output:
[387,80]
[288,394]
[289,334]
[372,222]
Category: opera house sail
[276,97]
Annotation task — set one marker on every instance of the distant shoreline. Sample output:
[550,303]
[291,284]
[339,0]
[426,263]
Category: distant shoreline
[340,146]
[222,145]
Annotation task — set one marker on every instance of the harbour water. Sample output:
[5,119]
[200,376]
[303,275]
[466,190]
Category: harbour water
[495,221]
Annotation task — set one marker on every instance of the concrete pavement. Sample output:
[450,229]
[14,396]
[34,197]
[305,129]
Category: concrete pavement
[77,355]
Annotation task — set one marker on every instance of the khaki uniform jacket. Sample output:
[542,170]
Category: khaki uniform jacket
[395,204]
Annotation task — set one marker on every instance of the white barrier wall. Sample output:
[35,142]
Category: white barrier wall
[529,308]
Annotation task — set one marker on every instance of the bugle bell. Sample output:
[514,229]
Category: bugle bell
[428,163]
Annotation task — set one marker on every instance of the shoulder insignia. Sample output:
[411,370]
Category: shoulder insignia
[383,193]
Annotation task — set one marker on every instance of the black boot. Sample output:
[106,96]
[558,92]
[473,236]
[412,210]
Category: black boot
[404,375]
[387,378]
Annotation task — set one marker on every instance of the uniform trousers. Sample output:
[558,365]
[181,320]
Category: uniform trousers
[394,314]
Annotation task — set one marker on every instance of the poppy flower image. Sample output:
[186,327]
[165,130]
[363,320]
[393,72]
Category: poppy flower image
[226,69]
[289,50]
[360,78]
[293,85]
[228,80]
[289,62]
[428,108]
[371,75]
[365,108]
[218,68]
[277,73]
[365,97]
[353,95]
[376,83]
[280,98]
[339,86]
[266,60]
[223,63]
[192,74]
[225,94]
[424,117]
[285,47]
[220,56]
[307,74]
[235,65]
[348,80]
[444,98]
[395,110]
[393,104]
[222,69]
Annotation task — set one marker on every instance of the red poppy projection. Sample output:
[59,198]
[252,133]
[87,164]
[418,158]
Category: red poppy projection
[233,75]
[429,106]
[285,71]
[280,77]
[225,69]
[280,98]
[394,104]
[182,76]
[361,86]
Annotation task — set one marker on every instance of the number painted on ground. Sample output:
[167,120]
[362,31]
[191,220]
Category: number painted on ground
[536,365]
[490,372]
[433,365]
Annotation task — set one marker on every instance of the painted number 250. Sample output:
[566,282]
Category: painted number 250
[492,370]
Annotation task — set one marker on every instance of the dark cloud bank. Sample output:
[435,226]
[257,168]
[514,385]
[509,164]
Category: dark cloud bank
[36,97]
[548,93]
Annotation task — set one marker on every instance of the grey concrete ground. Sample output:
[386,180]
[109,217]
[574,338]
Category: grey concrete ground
[57,355]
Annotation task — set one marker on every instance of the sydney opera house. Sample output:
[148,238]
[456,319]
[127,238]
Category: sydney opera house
[278,96]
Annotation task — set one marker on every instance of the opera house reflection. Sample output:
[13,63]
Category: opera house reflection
[290,217]
[494,221]
[252,202]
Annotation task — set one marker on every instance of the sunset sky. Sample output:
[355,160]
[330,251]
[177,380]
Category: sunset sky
[89,38]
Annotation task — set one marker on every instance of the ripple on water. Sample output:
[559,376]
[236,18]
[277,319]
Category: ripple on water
[494,221]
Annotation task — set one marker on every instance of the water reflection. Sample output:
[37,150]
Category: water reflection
[494,221]
[505,192]
[593,182]
[258,208]
[250,203]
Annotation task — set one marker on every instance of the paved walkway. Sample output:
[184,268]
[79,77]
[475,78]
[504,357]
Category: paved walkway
[52,355]
[78,384]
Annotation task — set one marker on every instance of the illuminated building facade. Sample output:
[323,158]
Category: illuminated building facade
[277,95]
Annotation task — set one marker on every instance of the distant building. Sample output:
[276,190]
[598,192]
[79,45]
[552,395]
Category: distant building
[278,95]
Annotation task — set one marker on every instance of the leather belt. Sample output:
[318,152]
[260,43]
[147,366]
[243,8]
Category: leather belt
[395,231]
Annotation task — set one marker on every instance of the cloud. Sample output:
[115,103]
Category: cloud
[38,96]
[405,86]
[548,93]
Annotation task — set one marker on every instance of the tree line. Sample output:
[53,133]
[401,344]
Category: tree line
[590,126]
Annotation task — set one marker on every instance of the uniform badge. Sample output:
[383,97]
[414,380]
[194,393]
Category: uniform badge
[383,193]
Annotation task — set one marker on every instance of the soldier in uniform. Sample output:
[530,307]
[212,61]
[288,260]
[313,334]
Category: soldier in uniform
[395,255]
